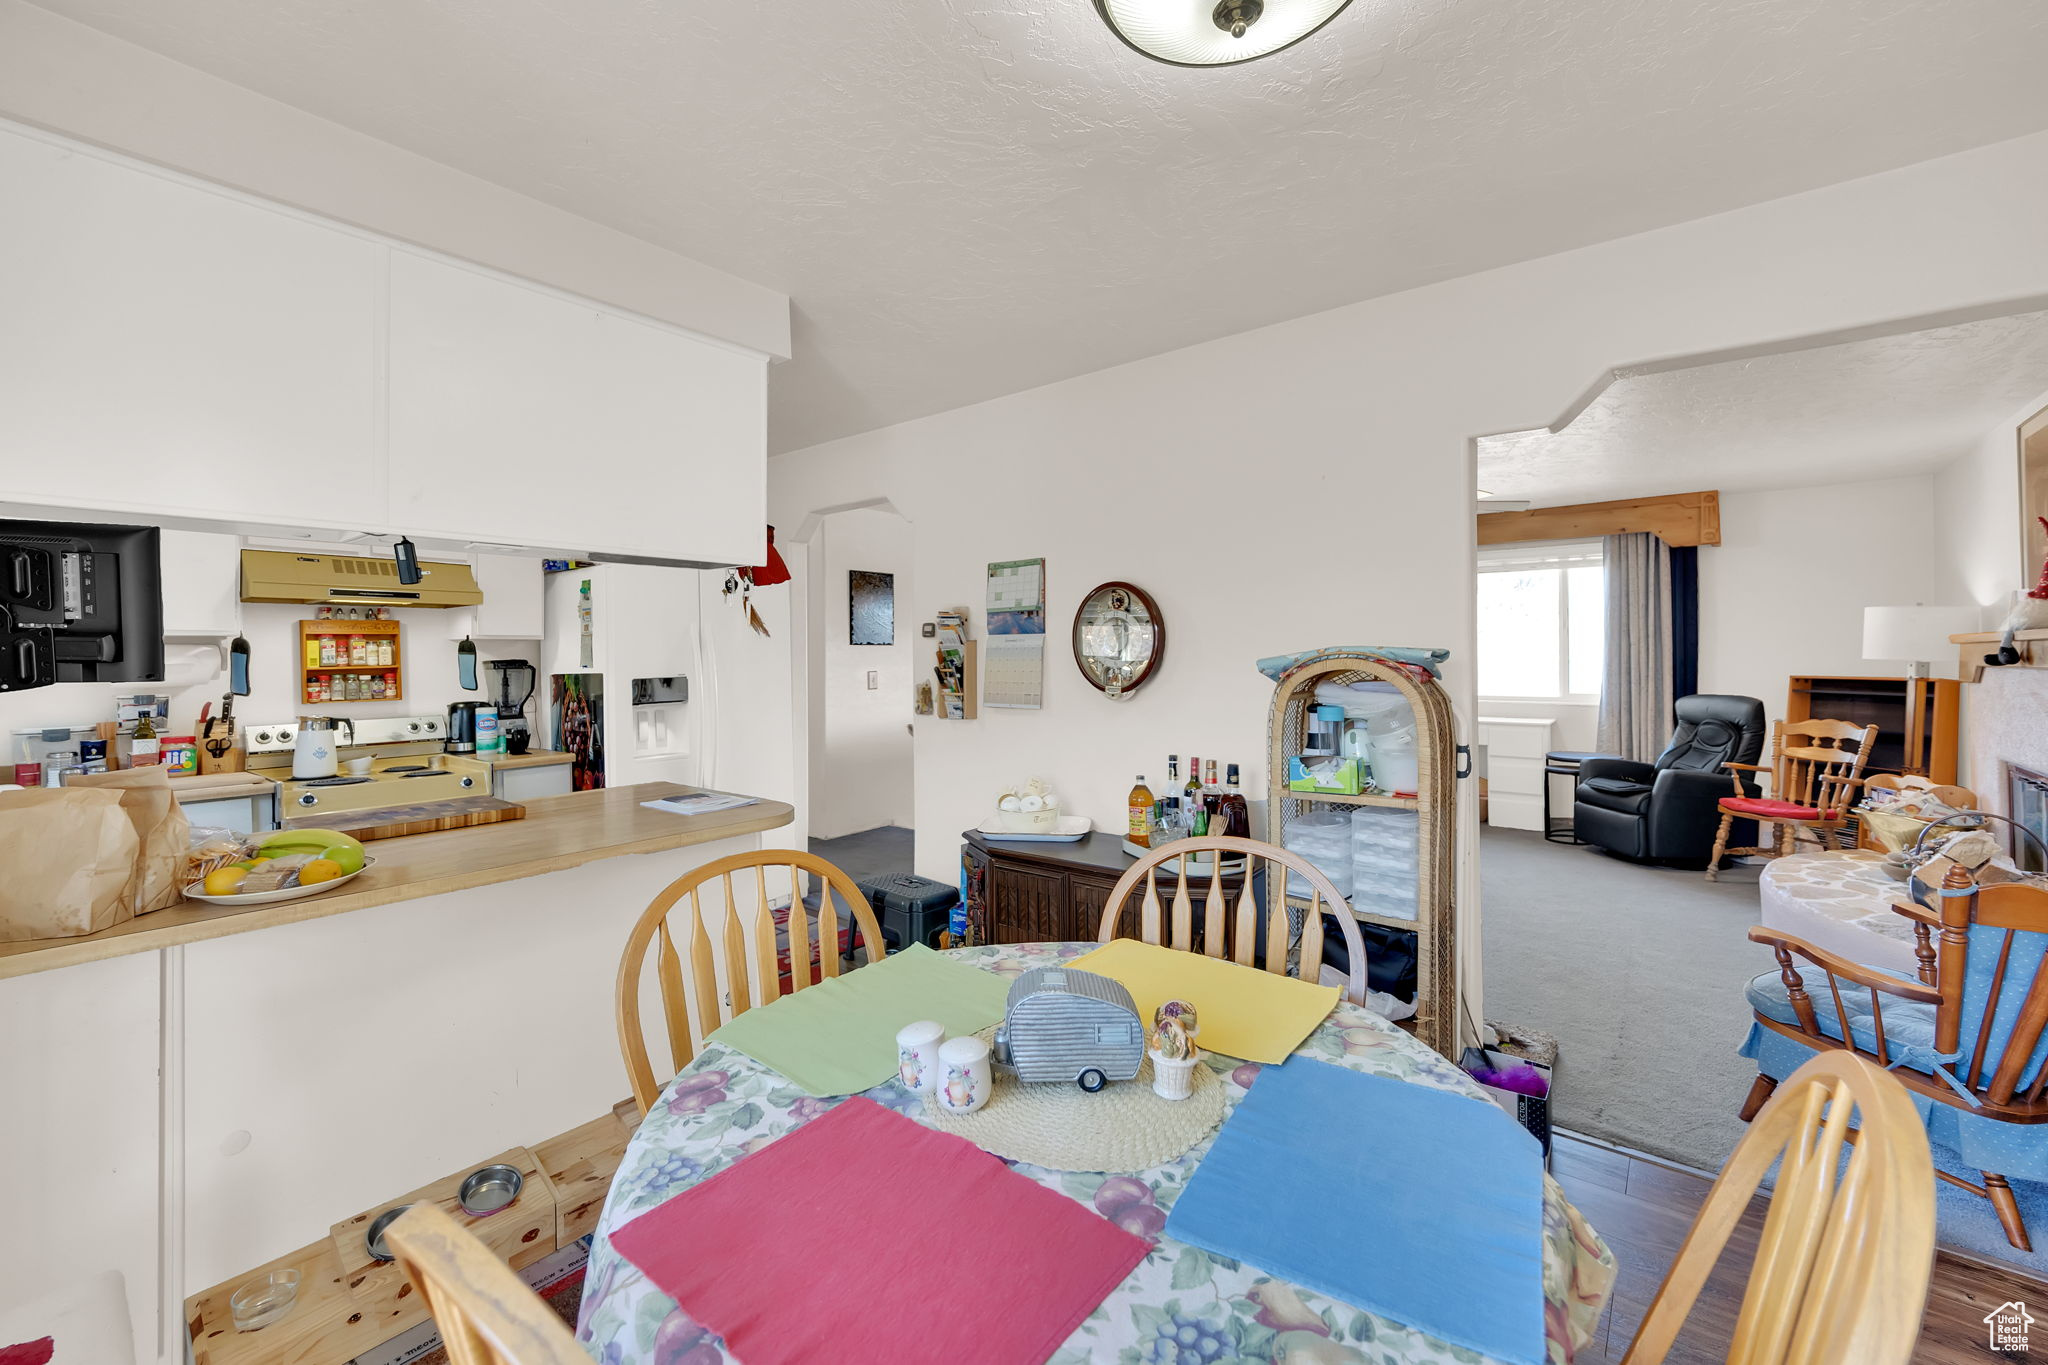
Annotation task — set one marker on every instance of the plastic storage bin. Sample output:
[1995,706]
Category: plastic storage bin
[1323,836]
[1385,845]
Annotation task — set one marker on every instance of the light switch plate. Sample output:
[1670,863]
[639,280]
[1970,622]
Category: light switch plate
[874,679]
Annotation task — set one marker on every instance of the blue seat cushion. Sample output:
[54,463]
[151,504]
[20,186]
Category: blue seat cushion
[1908,1024]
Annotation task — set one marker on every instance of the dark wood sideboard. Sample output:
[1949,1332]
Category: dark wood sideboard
[1040,891]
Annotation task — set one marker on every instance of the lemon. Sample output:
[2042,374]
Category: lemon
[225,881]
[319,870]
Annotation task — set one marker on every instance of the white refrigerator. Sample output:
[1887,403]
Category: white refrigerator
[731,723]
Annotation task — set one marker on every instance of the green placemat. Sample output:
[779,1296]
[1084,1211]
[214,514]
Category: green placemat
[839,1036]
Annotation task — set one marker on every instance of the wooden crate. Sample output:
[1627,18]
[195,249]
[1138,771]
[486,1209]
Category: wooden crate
[520,1233]
[326,1325]
[580,1164]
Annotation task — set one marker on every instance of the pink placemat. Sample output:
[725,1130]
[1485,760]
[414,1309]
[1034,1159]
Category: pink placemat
[864,1235]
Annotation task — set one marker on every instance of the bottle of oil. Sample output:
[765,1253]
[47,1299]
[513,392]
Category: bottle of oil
[1141,813]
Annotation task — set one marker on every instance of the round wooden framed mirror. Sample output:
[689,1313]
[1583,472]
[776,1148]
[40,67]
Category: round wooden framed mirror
[1119,638]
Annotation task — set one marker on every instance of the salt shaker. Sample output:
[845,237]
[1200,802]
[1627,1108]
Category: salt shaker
[965,1078]
[917,1054]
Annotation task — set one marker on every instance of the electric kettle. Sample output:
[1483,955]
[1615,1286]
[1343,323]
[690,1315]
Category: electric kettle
[461,736]
[317,750]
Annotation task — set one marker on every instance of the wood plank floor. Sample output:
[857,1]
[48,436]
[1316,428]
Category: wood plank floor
[1644,1209]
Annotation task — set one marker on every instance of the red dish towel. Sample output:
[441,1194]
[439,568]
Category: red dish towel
[1766,808]
[864,1235]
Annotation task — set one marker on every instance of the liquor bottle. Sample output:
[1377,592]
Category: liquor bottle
[1237,812]
[1191,799]
[1172,773]
[1140,804]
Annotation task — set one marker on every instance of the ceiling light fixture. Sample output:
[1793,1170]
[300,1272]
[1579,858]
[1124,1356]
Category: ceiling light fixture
[1197,33]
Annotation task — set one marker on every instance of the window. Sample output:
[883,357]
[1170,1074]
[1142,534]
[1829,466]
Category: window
[1542,622]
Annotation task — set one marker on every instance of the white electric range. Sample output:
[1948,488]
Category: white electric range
[406,766]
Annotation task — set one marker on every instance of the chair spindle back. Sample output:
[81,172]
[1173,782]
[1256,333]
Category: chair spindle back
[484,1312]
[1841,1268]
[716,956]
[1229,930]
[1818,762]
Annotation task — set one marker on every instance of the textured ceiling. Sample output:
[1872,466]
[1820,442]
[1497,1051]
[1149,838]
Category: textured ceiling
[1861,410]
[970,197]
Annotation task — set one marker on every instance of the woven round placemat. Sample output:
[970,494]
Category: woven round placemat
[1124,1127]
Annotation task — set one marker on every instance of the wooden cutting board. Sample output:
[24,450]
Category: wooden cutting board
[425,817]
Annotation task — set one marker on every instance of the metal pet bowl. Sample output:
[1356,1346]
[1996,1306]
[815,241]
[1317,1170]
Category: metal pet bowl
[489,1190]
[373,1240]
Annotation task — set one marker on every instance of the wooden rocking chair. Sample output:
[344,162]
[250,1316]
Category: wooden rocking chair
[1816,766]
[1947,1037]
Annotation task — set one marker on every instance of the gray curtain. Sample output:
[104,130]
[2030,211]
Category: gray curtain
[1635,692]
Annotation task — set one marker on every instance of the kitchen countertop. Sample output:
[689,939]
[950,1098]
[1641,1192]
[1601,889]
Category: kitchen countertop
[558,832]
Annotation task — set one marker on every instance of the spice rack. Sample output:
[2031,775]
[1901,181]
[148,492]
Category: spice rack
[377,673]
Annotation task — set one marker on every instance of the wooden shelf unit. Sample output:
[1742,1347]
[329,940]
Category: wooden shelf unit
[1434,923]
[1917,718]
[375,632]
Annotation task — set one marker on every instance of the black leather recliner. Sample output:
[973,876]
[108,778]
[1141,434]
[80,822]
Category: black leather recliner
[1667,810]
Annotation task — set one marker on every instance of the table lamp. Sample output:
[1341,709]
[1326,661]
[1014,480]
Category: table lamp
[1915,635]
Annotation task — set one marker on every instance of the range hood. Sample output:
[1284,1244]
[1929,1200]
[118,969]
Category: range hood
[353,580]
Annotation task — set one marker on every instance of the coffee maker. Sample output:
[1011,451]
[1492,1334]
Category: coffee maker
[516,681]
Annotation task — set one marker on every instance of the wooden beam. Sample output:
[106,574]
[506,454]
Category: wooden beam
[1677,519]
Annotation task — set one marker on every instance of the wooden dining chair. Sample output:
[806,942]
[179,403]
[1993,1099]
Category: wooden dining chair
[719,956]
[1841,1266]
[484,1312]
[1816,767]
[1233,931]
[1971,1035]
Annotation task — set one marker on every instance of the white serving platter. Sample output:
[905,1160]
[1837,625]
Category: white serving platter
[1066,830]
[289,893]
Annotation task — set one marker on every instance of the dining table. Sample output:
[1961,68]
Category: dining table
[1182,1305]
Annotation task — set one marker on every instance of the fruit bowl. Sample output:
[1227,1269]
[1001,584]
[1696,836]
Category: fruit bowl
[196,891]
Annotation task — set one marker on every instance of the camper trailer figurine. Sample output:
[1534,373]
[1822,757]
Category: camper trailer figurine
[1067,1025]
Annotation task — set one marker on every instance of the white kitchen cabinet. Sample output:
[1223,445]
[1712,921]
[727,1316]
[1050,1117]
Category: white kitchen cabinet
[525,416]
[202,578]
[172,348]
[1515,746]
[513,587]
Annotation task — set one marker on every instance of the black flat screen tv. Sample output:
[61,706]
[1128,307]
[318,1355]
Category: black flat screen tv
[79,602]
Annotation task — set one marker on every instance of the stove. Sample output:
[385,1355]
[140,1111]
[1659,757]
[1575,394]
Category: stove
[407,767]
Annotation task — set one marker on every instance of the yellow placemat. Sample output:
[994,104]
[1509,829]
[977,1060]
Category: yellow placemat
[1245,1013]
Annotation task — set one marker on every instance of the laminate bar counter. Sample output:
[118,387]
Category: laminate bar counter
[558,832]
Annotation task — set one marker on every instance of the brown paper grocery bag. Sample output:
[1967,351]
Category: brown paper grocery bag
[161,826]
[67,859]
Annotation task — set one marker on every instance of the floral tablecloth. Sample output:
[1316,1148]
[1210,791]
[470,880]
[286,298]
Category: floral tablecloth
[1181,1306]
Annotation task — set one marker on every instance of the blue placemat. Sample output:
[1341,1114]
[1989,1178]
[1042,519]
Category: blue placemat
[1410,1202]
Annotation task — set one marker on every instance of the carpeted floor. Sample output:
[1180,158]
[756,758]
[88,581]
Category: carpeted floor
[1638,972]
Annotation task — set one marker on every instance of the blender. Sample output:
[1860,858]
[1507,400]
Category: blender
[516,680]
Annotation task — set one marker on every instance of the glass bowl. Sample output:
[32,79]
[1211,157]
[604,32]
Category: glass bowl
[264,1299]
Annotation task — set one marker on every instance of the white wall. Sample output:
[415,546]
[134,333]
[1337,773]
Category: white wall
[69,78]
[1977,523]
[1977,517]
[1311,483]
[1784,591]
[861,772]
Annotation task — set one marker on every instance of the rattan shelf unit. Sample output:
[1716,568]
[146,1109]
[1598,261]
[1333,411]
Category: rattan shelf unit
[1434,805]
